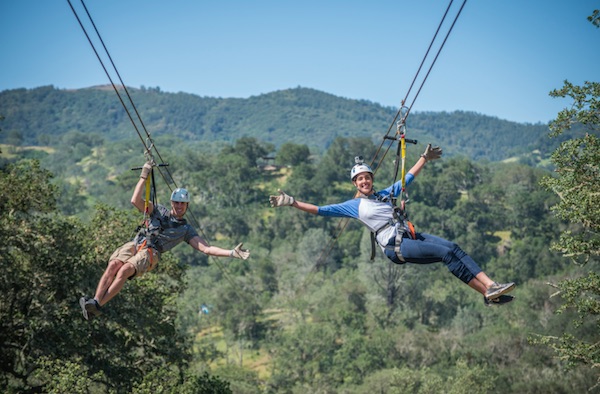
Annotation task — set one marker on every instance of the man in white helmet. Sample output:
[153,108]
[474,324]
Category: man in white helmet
[165,229]
[396,238]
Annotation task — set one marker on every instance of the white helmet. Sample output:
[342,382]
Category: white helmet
[359,168]
[180,195]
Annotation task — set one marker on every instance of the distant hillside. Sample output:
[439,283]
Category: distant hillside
[300,115]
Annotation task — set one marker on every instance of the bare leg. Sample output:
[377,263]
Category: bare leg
[107,279]
[123,274]
[481,282]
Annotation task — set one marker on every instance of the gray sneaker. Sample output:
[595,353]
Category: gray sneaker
[89,308]
[503,299]
[497,289]
[84,311]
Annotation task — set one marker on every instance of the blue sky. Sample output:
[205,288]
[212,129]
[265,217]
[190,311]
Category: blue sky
[501,59]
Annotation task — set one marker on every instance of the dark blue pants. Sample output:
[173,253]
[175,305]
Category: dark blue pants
[427,249]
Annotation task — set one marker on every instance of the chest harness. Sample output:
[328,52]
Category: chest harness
[399,221]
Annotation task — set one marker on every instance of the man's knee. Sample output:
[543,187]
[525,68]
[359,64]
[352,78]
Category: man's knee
[114,266]
[126,271]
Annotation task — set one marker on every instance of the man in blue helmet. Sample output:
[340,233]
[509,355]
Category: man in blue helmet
[396,238]
[165,229]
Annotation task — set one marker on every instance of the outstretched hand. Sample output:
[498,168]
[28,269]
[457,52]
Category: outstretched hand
[240,253]
[432,153]
[281,200]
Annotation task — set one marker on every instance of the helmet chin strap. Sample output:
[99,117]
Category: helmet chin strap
[363,194]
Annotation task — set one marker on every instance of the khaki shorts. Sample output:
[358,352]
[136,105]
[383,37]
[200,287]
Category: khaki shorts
[144,260]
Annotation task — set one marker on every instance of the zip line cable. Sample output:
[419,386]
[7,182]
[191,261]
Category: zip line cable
[343,223]
[402,105]
[148,144]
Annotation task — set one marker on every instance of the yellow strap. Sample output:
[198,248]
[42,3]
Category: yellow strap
[403,147]
[147,201]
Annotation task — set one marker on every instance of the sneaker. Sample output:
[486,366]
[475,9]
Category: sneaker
[89,308]
[93,308]
[503,299]
[82,302]
[497,289]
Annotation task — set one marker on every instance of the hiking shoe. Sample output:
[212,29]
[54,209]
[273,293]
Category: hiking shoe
[497,289]
[84,311]
[92,307]
[89,308]
[503,299]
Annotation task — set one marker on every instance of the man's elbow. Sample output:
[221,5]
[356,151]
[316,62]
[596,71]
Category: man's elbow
[136,205]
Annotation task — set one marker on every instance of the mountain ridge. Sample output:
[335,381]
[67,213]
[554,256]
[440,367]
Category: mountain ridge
[40,116]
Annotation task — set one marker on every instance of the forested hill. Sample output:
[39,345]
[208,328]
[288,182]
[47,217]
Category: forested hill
[305,116]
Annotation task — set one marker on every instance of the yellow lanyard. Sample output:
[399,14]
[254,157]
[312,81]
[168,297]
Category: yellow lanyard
[147,201]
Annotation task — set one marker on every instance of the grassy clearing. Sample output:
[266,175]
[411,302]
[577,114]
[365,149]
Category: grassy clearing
[258,360]
[11,151]
[503,235]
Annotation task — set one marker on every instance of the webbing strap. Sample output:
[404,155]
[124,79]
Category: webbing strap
[147,202]
[372,245]
[398,244]
[149,250]
[398,239]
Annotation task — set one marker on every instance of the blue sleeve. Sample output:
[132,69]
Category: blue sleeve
[347,209]
[408,178]
[397,187]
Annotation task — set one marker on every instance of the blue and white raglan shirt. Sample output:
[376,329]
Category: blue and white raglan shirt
[374,212]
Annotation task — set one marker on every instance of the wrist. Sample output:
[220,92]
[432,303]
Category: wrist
[231,253]
[424,157]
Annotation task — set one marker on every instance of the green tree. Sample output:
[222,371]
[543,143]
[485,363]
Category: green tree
[303,356]
[292,154]
[47,261]
[577,185]
[165,380]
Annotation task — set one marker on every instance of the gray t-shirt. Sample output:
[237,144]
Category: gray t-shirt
[164,231]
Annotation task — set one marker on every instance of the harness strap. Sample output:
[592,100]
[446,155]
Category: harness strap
[374,234]
[372,245]
[398,243]
[143,245]
[402,226]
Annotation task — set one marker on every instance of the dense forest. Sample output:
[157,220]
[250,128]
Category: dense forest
[308,311]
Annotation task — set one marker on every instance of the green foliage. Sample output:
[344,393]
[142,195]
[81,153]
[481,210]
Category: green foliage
[595,18]
[297,316]
[577,185]
[168,381]
[47,262]
[38,248]
[290,154]
[66,376]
